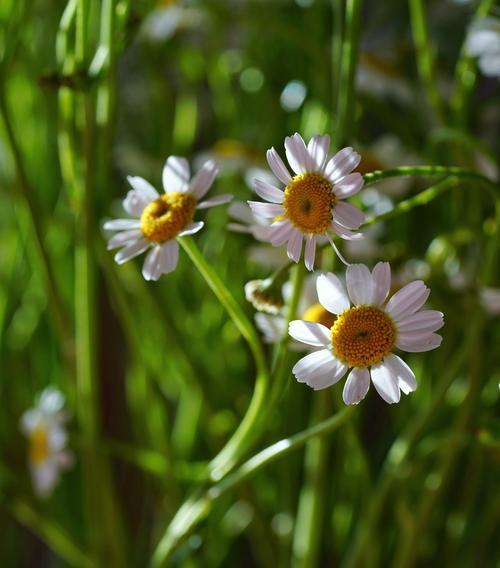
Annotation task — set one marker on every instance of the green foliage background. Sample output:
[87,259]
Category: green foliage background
[156,375]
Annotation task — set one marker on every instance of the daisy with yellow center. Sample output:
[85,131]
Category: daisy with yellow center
[311,205]
[364,334]
[160,219]
[44,427]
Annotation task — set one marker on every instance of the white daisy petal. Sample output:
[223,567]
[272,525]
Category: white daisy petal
[294,248]
[310,252]
[344,233]
[30,420]
[280,232]
[131,251]
[214,201]
[268,192]
[45,477]
[405,377]
[241,211]
[418,343]
[424,321]
[356,385]
[318,150]
[203,179]
[297,154]
[359,284]
[331,375]
[272,327]
[175,176]
[143,188]
[381,275]
[169,256]
[342,164]
[314,334]
[121,224]
[192,229]
[331,293]
[348,185]
[348,215]
[319,369]
[124,238]
[386,382]
[267,210]
[134,204]
[407,300]
[278,167]
[150,266]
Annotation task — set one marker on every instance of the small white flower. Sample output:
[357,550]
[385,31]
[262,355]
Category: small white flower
[490,300]
[483,41]
[160,219]
[44,426]
[273,327]
[312,203]
[364,334]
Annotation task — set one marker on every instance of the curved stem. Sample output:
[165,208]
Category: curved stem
[199,505]
[244,434]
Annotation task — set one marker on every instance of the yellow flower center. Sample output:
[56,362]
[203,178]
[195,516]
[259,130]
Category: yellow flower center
[362,336]
[309,202]
[164,218]
[317,314]
[39,445]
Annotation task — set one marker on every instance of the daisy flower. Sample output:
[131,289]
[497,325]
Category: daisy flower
[160,219]
[44,426]
[312,203]
[365,333]
[273,326]
[483,41]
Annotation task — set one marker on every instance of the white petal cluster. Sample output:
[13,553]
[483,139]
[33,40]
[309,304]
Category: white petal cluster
[483,41]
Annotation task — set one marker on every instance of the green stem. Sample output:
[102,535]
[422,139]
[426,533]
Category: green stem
[425,56]
[309,521]
[199,505]
[50,533]
[245,433]
[423,171]
[27,195]
[346,91]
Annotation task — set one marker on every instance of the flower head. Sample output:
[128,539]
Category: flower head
[312,203]
[44,426]
[365,332]
[160,219]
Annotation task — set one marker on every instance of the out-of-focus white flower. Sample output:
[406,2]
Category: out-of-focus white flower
[364,335]
[261,294]
[44,426]
[483,41]
[273,327]
[160,219]
[490,300]
[312,203]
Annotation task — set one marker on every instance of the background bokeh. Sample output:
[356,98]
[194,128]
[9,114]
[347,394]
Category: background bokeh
[409,484]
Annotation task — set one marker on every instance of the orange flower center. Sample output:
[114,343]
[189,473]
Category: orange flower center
[164,218]
[362,336]
[39,445]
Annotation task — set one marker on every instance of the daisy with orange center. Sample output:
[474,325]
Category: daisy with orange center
[160,219]
[365,333]
[311,205]
[44,427]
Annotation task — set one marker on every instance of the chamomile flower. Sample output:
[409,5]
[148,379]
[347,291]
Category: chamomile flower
[312,203]
[365,332]
[44,426]
[160,219]
[273,326]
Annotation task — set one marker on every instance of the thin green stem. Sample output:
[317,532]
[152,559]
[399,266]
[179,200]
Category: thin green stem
[309,521]
[425,56]
[245,433]
[196,508]
[346,91]
[50,533]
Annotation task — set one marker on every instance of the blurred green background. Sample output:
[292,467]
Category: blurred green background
[157,378]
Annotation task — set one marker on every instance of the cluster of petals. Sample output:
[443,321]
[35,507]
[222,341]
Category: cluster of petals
[415,332]
[162,257]
[312,159]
